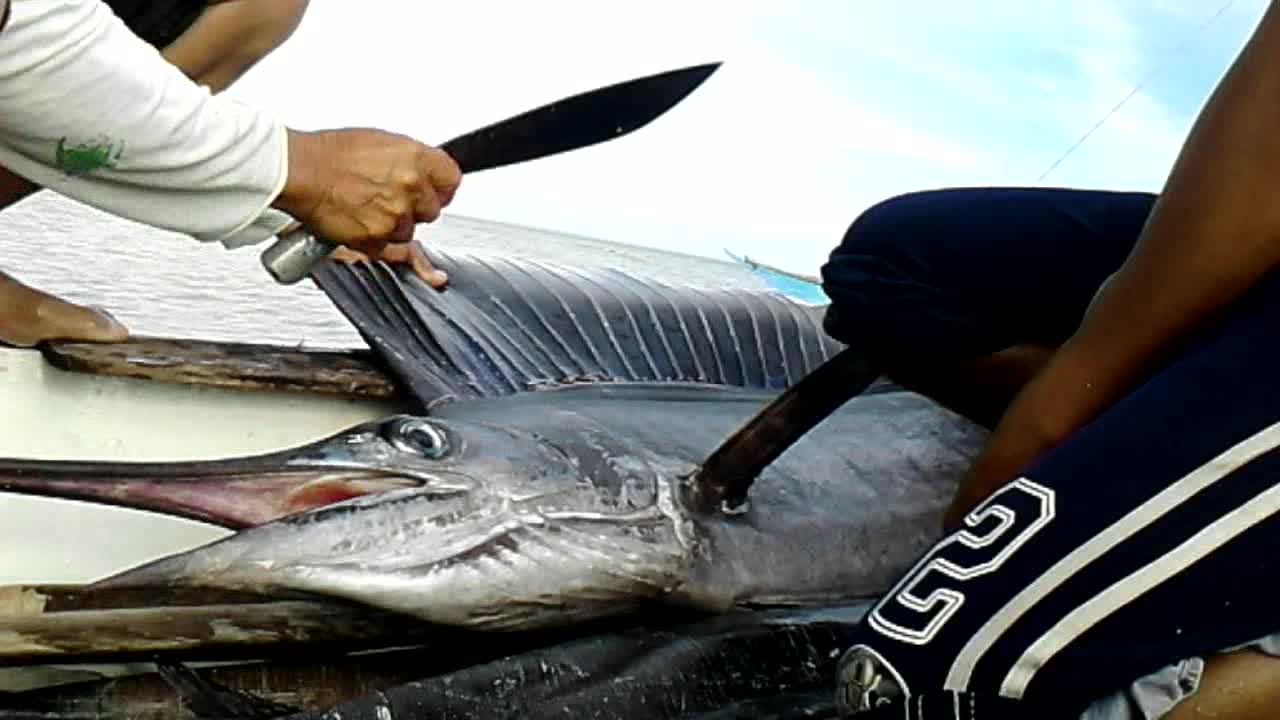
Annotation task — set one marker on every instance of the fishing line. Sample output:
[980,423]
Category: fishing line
[1136,89]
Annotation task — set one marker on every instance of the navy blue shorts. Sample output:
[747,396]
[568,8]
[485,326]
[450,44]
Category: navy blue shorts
[1149,537]
[159,22]
[969,272]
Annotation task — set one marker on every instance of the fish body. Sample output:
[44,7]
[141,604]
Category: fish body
[545,479]
[547,509]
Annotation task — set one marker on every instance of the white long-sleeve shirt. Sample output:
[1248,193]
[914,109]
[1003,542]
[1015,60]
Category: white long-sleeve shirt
[92,112]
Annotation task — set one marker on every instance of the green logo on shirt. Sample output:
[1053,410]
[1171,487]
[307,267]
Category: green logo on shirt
[88,156]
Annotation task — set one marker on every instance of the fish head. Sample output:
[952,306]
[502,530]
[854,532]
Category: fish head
[455,456]
[393,453]
[553,460]
[494,525]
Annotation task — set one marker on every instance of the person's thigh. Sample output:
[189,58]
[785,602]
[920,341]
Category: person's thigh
[972,271]
[1150,536]
[1236,686]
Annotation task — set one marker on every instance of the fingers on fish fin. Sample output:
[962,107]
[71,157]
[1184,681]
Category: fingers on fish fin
[383,315]
[209,699]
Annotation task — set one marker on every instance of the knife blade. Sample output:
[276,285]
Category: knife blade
[571,123]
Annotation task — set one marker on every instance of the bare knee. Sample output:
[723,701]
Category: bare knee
[272,23]
[232,36]
[1241,685]
[884,281]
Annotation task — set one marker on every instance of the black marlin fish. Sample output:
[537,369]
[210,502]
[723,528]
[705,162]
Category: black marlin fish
[546,480]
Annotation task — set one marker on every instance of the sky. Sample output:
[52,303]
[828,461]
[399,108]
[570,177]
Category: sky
[821,109]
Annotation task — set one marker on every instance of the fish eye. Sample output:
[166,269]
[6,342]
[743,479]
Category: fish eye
[419,437]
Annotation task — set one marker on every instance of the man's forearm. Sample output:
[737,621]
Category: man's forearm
[95,113]
[1213,234]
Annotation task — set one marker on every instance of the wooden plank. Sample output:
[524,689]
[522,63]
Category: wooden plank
[42,599]
[204,632]
[310,684]
[241,366]
[74,625]
[70,624]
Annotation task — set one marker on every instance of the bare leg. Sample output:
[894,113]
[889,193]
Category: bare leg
[224,43]
[1236,686]
[231,36]
[978,389]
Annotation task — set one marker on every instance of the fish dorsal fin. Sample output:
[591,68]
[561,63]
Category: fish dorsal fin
[505,326]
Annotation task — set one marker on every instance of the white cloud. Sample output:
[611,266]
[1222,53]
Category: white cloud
[821,109]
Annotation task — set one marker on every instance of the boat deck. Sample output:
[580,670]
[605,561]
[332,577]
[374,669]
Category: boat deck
[157,399]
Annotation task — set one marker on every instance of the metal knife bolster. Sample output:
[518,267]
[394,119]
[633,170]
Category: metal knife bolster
[290,258]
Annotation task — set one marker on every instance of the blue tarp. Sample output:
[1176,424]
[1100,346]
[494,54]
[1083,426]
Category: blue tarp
[793,285]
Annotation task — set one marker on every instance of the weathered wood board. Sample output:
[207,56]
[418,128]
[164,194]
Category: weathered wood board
[242,366]
[60,624]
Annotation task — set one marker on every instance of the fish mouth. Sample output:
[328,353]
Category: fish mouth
[236,493]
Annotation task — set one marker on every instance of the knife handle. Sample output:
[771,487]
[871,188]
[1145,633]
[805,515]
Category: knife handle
[291,258]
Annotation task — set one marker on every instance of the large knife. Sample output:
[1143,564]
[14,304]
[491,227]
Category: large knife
[569,124]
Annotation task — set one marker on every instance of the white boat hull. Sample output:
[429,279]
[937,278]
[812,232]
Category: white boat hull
[56,414]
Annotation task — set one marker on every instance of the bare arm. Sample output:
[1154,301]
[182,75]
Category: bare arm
[88,109]
[1213,234]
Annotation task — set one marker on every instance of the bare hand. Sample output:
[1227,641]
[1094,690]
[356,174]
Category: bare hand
[367,189]
[410,254]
